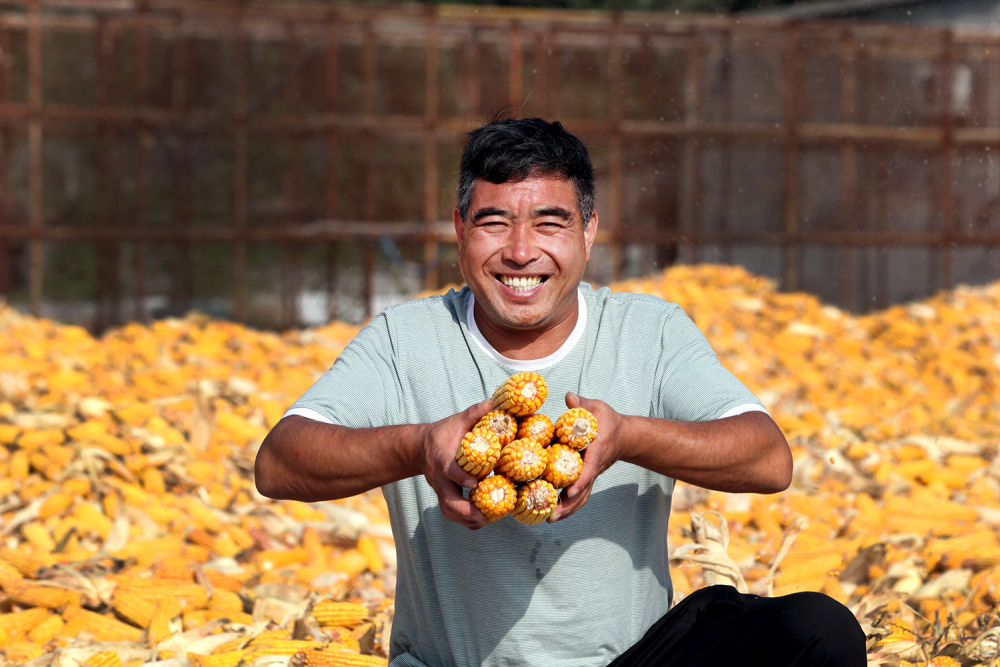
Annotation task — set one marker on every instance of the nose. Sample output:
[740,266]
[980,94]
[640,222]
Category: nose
[520,248]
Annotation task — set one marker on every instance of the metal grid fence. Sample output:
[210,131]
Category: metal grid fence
[253,158]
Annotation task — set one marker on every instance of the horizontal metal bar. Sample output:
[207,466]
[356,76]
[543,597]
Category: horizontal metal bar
[335,230]
[222,19]
[319,122]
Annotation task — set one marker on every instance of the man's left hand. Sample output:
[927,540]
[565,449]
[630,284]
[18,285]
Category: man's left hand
[597,456]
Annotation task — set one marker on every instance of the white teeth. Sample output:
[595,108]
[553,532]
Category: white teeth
[521,282]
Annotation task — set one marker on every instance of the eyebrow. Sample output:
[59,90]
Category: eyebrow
[490,210]
[555,211]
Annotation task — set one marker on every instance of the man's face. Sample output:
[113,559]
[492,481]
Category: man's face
[522,249]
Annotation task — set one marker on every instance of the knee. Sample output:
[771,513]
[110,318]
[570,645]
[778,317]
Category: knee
[827,629]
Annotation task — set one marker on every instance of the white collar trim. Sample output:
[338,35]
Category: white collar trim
[529,364]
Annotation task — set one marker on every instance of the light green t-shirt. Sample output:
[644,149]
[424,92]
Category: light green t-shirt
[576,592]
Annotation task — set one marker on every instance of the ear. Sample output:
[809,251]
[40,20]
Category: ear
[590,233]
[459,228]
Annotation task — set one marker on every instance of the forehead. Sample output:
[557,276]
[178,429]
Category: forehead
[531,192]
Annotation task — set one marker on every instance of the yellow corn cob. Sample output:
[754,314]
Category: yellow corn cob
[270,635]
[55,504]
[343,614]
[100,627]
[522,460]
[27,563]
[495,497]
[521,394]
[37,594]
[369,548]
[478,452]
[499,422]
[8,573]
[220,659]
[535,501]
[21,622]
[37,535]
[222,580]
[47,629]
[89,519]
[276,559]
[284,646]
[21,652]
[336,657]
[133,606]
[576,428]
[537,427]
[18,467]
[223,600]
[104,659]
[186,594]
[175,569]
[159,625]
[563,465]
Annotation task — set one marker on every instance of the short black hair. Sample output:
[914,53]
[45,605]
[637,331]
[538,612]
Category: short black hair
[515,149]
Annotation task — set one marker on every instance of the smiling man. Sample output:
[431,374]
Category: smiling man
[590,587]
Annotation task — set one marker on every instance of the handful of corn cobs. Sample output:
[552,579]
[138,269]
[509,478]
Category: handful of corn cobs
[520,456]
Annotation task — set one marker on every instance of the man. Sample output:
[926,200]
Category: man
[584,588]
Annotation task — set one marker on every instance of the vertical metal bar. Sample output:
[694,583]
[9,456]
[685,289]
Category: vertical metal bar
[616,160]
[182,295]
[142,139]
[432,259]
[863,192]
[370,192]
[690,186]
[36,261]
[6,195]
[471,73]
[515,67]
[552,92]
[541,83]
[332,174]
[105,253]
[291,285]
[945,248]
[849,194]
[726,143]
[880,195]
[790,186]
[241,149]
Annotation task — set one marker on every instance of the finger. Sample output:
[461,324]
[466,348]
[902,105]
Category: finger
[572,400]
[456,508]
[473,413]
[568,506]
[460,476]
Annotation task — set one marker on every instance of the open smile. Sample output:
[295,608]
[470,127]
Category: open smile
[521,283]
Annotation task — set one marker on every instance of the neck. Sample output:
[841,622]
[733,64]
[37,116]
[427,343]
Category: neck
[527,344]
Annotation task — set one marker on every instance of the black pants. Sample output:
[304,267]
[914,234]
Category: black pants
[717,626]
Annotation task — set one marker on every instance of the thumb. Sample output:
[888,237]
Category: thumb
[474,412]
[576,401]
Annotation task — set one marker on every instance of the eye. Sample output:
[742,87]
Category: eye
[551,225]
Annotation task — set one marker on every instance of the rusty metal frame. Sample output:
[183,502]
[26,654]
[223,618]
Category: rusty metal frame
[533,39]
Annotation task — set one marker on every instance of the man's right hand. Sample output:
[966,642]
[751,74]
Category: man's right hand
[441,470]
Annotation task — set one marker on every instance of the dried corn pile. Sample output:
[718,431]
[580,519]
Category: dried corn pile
[894,420]
[130,530]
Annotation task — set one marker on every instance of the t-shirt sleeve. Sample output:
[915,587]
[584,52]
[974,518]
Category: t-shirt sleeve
[361,389]
[693,384]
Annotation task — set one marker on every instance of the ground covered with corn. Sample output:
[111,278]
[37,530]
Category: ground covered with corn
[130,531]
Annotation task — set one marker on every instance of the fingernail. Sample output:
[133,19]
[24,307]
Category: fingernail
[571,493]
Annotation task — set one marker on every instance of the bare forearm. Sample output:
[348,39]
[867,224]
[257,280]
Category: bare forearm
[745,453]
[302,459]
